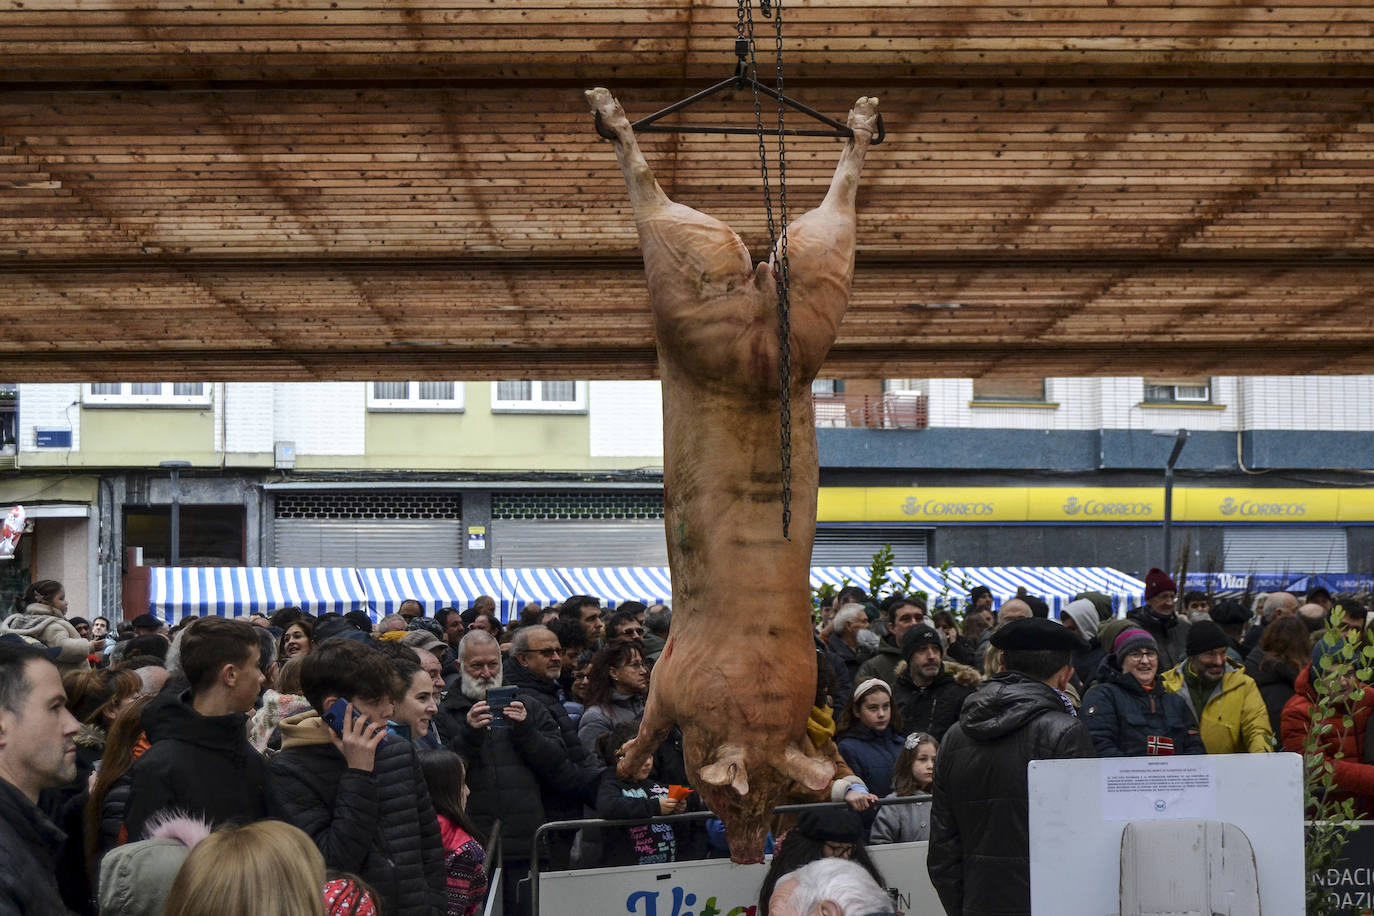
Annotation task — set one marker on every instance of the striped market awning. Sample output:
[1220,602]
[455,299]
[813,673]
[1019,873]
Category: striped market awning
[176,592]
[1056,584]
[238,591]
[460,586]
[615,585]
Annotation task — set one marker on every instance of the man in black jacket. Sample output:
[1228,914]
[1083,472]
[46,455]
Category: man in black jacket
[979,853]
[534,665]
[200,762]
[37,751]
[930,691]
[360,794]
[508,764]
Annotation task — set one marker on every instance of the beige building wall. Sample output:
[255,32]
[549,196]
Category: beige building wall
[63,551]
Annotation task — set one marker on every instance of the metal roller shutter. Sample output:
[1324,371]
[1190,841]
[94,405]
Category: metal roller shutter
[368,542]
[589,542]
[851,545]
[1263,548]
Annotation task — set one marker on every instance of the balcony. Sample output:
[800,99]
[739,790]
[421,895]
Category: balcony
[901,410]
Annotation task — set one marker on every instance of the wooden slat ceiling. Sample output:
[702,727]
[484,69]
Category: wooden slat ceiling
[243,190]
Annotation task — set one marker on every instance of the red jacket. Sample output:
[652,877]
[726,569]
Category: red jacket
[1353,777]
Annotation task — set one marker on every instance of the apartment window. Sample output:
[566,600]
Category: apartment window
[415,396]
[538,397]
[146,394]
[1029,390]
[827,386]
[1178,391]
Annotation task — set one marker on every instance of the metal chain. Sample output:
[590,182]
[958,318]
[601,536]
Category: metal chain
[784,304]
[780,267]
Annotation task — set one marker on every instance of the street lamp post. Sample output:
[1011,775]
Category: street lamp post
[1180,437]
[175,467]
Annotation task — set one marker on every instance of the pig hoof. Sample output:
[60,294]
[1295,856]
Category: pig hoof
[864,116]
[604,104]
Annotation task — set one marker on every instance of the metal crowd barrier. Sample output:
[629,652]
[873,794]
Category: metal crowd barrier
[672,819]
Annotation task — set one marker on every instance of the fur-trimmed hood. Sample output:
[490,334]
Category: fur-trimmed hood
[964,675]
[136,878]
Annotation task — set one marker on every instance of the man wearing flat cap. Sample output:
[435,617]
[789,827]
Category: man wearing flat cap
[929,689]
[979,853]
[1226,701]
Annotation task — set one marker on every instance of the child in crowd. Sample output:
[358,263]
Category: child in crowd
[913,774]
[642,796]
[869,737]
[464,858]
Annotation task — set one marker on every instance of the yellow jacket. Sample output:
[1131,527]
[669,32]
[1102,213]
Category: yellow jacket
[1234,720]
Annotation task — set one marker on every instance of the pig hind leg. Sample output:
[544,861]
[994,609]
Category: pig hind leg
[678,241]
[828,230]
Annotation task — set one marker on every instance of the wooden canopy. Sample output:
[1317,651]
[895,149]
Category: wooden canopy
[275,189]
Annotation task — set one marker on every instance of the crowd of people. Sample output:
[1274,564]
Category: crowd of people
[329,764]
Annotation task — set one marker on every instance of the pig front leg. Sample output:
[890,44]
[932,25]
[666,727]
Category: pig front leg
[658,719]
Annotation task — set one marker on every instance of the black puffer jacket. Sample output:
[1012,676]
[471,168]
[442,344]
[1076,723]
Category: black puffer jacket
[1275,679]
[379,825]
[979,853]
[933,709]
[199,765]
[563,800]
[507,769]
[1122,717]
[1170,633]
[29,845]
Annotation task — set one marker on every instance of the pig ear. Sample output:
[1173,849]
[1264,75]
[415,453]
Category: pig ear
[728,770]
[812,772]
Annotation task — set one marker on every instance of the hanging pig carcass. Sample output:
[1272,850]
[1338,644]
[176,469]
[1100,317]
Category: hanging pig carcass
[738,673]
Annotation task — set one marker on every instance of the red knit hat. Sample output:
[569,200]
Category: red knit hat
[1156,581]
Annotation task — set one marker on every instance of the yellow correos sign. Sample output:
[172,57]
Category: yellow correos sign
[923,504]
[1095,504]
[1091,504]
[1259,505]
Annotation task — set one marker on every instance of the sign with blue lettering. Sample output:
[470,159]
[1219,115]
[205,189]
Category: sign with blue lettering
[52,438]
[715,887]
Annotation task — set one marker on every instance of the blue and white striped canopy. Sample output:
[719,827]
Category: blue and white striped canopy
[615,585]
[238,591]
[542,586]
[235,591]
[434,588]
[1056,584]
[460,586]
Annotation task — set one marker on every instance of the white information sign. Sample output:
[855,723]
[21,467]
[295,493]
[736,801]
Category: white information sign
[1079,809]
[1151,788]
[713,887]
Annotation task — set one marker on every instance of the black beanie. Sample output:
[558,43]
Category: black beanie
[1204,636]
[922,634]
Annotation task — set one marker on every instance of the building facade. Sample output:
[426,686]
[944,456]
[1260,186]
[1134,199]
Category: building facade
[1069,471]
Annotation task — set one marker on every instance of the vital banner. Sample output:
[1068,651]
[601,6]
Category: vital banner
[715,887]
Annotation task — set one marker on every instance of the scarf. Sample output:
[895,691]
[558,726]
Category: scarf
[1199,688]
[1068,703]
[1163,621]
[820,727]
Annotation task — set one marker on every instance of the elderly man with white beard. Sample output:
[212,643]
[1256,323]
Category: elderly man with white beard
[507,762]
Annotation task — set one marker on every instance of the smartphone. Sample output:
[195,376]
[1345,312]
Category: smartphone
[498,698]
[336,717]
